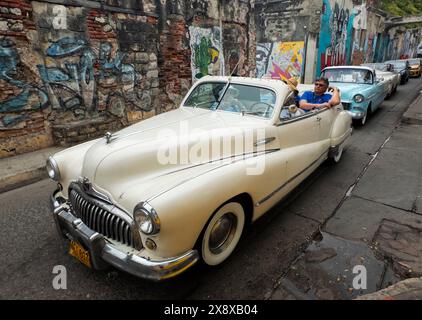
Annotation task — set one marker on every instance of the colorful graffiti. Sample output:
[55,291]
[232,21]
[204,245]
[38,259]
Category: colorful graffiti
[71,81]
[281,60]
[30,96]
[71,85]
[207,57]
[335,47]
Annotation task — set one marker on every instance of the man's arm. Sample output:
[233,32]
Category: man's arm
[335,100]
[303,103]
[310,106]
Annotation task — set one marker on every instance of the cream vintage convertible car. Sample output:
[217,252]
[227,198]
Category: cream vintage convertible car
[156,197]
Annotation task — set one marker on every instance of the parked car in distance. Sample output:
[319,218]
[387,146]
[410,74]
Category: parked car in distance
[118,203]
[386,71]
[415,67]
[362,92]
[403,67]
[419,51]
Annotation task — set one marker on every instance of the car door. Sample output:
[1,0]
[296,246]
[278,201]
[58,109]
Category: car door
[299,140]
[324,120]
[379,91]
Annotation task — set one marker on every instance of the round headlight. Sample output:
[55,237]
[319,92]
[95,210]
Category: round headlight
[52,169]
[358,98]
[146,219]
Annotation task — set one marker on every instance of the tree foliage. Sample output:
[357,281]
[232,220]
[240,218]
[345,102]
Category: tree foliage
[402,7]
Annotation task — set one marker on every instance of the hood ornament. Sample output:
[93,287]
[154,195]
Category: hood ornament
[86,184]
[108,136]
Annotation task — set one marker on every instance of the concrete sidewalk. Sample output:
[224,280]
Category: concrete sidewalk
[24,169]
[414,114]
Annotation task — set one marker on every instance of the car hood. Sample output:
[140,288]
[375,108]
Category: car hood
[165,144]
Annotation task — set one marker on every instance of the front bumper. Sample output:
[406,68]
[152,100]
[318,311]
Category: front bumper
[103,253]
[356,114]
[414,73]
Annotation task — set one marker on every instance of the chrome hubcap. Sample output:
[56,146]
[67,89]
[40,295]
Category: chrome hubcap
[222,233]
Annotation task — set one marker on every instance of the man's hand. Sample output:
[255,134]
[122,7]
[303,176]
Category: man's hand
[322,105]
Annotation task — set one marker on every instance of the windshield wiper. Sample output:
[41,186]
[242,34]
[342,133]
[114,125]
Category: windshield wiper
[251,113]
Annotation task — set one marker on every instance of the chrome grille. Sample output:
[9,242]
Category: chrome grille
[99,219]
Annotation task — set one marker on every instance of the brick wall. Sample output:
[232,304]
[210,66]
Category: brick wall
[72,70]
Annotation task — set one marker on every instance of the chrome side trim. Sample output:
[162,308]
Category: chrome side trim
[252,154]
[242,157]
[264,141]
[268,197]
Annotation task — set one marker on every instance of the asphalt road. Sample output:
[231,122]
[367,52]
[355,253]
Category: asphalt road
[30,247]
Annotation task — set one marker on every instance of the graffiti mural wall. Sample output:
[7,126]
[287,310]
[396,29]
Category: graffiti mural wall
[28,96]
[71,71]
[207,57]
[402,43]
[280,60]
[335,46]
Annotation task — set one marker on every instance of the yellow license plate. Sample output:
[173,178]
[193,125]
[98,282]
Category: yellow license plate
[77,251]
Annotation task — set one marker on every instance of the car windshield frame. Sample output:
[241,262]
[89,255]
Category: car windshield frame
[352,81]
[227,95]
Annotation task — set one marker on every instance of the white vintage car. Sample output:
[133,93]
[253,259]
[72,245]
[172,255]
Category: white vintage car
[156,197]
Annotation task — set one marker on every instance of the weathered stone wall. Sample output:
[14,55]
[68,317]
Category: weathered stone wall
[72,70]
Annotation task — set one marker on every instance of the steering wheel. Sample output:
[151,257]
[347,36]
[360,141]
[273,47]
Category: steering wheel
[261,108]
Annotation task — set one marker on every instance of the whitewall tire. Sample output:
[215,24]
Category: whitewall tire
[337,157]
[222,233]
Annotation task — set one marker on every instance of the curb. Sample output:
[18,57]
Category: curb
[413,115]
[409,289]
[24,169]
[22,179]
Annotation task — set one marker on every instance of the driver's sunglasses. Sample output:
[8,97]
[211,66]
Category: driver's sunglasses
[320,84]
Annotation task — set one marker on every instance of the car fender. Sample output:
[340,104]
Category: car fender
[70,162]
[184,210]
[341,128]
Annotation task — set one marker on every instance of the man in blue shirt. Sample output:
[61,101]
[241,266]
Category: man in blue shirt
[319,99]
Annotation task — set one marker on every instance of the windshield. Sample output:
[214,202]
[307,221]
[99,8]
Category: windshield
[380,67]
[415,62]
[399,65]
[347,75]
[234,98]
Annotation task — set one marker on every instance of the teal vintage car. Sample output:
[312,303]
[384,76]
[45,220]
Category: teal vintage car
[362,92]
